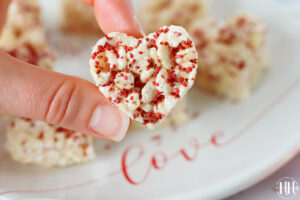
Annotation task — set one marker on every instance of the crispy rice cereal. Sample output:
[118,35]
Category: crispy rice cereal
[31,141]
[231,53]
[23,35]
[177,116]
[145,77]
[78,17]
[36,142]
[157,13]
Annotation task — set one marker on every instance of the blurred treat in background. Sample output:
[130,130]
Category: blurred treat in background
[36,142]
[232,56]
[32,141]
[78,17]
[157,13]
[23,35]
[177,116]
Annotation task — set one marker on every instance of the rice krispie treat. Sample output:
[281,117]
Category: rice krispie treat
[145,78]
[78,17]
[157,13]
[231,53]
[21,17]
[23,34]
[36,142]
[177,116]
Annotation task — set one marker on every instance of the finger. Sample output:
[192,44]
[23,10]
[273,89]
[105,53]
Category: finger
[70,102]
[117,16]
[3,10]
[88,2]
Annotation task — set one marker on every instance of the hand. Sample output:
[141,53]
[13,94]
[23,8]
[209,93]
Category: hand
[67,101]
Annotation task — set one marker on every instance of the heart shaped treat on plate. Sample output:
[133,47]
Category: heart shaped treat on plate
[146,77]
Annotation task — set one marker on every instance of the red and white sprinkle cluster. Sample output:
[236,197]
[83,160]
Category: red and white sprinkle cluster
[145,77]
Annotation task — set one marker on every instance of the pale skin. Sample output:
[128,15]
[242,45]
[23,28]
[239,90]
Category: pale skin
[67,101]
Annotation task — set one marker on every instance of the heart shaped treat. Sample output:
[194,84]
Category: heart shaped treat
[145,77]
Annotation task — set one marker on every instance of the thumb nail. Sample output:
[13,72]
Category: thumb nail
[109,122]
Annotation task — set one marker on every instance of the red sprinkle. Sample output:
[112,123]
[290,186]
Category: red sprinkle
[94,55]
[136,115]
[109,38]
[177,34]
[189,70]
[241,65]
[41,135]
[184,84]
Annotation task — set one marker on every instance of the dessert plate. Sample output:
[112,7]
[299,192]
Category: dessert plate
[224,148]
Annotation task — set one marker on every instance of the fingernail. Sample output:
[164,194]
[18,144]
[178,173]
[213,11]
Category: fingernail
[140,27]
[109,122]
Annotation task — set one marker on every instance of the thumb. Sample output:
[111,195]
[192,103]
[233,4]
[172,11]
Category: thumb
[67,101]
[116,16]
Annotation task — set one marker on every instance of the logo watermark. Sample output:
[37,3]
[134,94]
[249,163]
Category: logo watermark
[287,188]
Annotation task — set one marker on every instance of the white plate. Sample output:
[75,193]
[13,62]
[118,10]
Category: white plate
[227,148]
